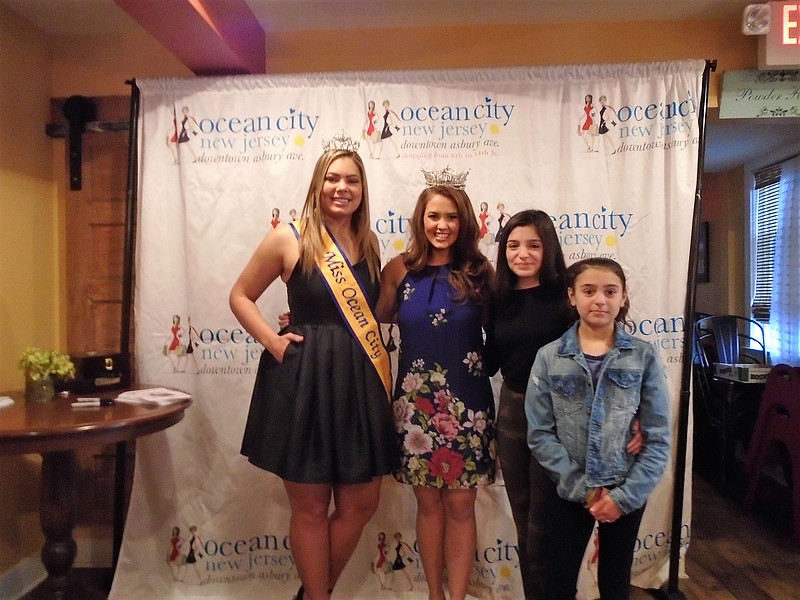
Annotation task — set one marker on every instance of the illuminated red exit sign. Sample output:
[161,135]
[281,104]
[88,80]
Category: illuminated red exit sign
[781,46]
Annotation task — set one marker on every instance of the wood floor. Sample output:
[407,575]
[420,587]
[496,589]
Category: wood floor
[733,555]
[736,554]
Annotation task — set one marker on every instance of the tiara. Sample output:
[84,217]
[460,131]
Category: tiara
[447,177]
[341,141]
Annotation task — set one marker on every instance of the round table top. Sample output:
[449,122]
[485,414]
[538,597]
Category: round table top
[30,427]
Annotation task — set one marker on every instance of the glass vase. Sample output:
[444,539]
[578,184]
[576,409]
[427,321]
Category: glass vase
[39,390]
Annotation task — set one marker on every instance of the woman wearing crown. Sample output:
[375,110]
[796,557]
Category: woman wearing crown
[438,291]
[319,417]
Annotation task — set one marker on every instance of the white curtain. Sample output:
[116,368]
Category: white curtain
[221,158]
[784,320]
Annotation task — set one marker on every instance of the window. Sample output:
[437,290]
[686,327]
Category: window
[775,252]
[765,226]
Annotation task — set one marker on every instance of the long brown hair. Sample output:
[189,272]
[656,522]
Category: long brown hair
[553,267]
[470,271]
[311,247]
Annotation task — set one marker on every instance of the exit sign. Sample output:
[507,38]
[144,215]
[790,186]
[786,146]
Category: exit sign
[780,47]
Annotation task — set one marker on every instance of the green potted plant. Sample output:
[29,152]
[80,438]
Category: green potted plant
[40,367]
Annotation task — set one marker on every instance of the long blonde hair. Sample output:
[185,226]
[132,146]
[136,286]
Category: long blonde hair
[311,247]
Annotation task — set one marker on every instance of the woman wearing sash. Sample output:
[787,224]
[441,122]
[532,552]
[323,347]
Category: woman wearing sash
[319,416]
[438,291]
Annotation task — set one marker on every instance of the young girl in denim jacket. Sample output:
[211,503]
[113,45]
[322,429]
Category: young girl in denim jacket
[585,390]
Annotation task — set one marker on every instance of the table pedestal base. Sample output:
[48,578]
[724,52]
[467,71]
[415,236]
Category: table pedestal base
[57,517]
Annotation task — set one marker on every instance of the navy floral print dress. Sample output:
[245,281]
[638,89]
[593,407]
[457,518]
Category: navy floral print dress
[443,403]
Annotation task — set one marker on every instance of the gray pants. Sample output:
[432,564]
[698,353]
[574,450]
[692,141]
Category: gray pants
[528,487]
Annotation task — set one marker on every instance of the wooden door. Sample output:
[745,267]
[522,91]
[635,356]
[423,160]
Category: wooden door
[95,232]
[94,218]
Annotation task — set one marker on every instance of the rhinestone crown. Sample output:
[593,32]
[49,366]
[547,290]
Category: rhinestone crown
[447,177]
[340,141]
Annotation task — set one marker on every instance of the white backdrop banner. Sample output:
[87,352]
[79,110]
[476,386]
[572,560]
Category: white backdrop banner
[609,151]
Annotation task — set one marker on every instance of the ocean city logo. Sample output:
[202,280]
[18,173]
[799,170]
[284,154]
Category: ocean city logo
[392,231]
[185,556]
[590,234]
[665,333]
[593,234]
[181,131]
[235,138]
[637,127]
[181,345]
[436,130]
[208,350]
[193,560]
[654,547]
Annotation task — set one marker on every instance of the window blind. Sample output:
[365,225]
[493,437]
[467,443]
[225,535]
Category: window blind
[767,187]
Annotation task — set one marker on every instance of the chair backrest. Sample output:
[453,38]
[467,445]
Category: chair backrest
[703,356]
[729,339]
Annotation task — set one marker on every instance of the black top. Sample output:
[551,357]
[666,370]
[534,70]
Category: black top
[530,319]
[310,300]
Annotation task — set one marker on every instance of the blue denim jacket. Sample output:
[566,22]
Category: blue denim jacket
[579,434]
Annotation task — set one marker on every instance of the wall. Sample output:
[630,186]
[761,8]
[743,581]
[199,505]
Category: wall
[29,311]
[29,245]
[515,45]
[32,286]
[723,208]
[32,289]
[97,66]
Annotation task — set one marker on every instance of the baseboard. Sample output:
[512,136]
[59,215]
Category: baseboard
[22,578]
[92,552]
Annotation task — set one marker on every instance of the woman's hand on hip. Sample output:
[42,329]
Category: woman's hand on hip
[279,345]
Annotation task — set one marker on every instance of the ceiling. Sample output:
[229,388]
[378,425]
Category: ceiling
[59,17]
[729,142]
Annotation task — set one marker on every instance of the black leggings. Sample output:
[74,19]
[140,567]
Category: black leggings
[568,531]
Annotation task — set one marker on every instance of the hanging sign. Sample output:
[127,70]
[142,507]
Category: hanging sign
[747,94]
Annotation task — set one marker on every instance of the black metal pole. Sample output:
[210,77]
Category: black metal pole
[121,448]
[130,223]
[681,440]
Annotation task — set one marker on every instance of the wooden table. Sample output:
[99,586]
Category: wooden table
[55,430]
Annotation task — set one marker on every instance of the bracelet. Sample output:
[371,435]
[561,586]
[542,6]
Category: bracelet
[591,497]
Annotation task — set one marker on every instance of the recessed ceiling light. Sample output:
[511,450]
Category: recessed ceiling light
[757,19]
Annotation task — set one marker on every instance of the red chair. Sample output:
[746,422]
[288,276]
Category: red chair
[778,423]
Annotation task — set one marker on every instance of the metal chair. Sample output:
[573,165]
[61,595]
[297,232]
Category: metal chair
[732,339]
[727,409]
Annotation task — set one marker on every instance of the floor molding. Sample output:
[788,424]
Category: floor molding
[22,578]
[92,552]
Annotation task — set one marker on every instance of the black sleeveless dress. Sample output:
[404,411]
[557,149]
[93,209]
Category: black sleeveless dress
[322,416]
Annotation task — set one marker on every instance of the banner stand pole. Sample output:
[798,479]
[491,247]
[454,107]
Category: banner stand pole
[121,448]
[673,592]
